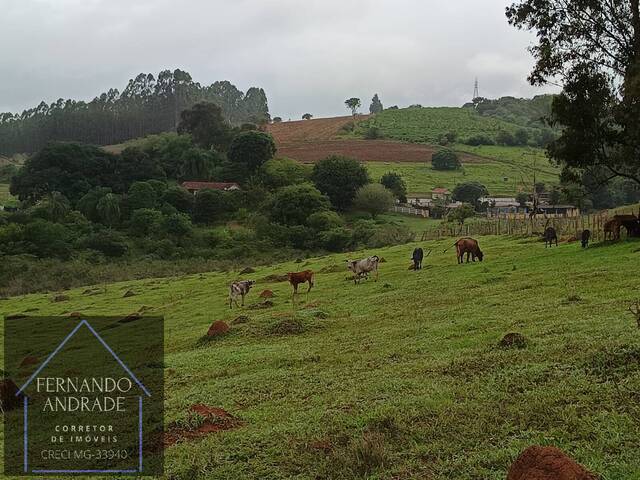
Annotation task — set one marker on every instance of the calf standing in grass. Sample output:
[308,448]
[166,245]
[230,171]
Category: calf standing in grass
[362,268]
[586,236]
[418,256]
[239,289]
[297,278]
[470,247]
[550,236]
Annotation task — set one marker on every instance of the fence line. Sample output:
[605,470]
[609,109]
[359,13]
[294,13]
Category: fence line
[565,227]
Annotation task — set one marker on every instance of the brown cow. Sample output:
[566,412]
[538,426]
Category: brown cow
[612,230]
[470,247]
[296,278]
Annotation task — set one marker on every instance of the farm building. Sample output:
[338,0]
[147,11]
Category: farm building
[440,194]
[195,187]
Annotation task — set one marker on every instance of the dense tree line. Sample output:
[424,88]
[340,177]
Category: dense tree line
[147,105]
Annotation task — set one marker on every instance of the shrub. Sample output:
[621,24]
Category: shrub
[179,198]
[336,240]
[145,221]
[323,221]
[178,225]
[505,138]
[469,192]
[110,243]
[374,199]
[373,133]
[478,140]
[339,178]
[47,239]
[394,182]
[445,159]
[294,204]
[281,172]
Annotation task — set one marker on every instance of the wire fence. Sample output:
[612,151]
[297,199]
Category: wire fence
[566,227]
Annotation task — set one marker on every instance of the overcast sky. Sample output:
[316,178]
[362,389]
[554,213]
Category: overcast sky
[308,55]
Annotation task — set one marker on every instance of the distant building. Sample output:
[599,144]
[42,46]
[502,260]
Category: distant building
[440,194]
[195,187]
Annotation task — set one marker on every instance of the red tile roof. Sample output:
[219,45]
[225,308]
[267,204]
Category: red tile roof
[440,190]
[210,185]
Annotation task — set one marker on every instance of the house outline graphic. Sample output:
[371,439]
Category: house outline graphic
[22,389]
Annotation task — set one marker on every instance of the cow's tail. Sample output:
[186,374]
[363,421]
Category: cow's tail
[455,244]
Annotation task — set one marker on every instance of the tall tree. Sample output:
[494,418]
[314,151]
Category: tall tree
[593,48]
[353,104]
[376,105]
[206,125]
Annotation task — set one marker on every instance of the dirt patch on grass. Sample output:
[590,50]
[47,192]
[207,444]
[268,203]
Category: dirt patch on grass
[287,326]
[513,340]
[547,463]
[334,268]
[201,420]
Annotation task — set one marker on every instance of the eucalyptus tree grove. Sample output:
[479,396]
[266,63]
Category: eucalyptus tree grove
[147,105]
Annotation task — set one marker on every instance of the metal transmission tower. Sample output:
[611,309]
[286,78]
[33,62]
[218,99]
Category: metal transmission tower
[476,90]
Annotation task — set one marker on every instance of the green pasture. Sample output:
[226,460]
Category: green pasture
[401,378]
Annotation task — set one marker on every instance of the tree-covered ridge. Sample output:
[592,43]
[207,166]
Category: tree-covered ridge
[526,112]
[147,105]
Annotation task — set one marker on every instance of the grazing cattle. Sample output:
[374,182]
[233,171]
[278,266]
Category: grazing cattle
[550,236]
[239,289]
[612,230]
[470,247]
[418,256]
[586,236]
[297,278]
[362,268]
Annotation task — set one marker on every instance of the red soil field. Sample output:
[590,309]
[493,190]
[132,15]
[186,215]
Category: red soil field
[308,141]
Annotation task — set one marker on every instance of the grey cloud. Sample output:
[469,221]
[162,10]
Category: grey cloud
[308,55]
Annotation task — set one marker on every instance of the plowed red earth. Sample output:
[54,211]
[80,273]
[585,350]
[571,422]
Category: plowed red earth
[311,140]
[215,420]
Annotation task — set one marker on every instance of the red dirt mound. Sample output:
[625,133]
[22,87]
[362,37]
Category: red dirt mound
[8,399]
[215,420]
[218,328]
[30,360]
[267,294]
[547,463]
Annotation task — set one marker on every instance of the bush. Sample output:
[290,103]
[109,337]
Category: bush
[394,182]
[213,205]
[323,221]
[46,239]
[390,235]
[336,240]
[294,204]
[178,225]
[145,221]
[445,159]
[373,133]
[374,199]
[110,243]
[281,172]
[505,138]
[469,192]
[179,198]
[339,178]
[478,140]
[461,213]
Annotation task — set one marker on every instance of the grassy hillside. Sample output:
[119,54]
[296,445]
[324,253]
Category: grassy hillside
[427,125]
[5,197]
[402,378]
[516,164]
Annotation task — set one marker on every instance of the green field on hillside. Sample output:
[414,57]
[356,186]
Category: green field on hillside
[402,378]
[5,197]
[427,125]
[421,178]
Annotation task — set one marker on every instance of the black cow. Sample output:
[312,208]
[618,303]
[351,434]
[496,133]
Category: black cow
[418,256]
[550,236]
[586,236]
